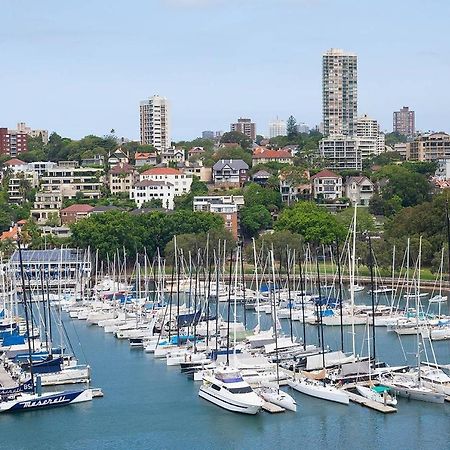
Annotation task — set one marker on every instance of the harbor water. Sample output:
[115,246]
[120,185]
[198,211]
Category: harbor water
[148,405]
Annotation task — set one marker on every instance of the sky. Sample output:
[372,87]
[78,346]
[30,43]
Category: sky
[80,67]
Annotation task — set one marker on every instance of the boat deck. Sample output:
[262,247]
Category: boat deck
[6,381]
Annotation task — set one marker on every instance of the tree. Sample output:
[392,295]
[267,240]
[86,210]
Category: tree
[364,220]
[254,219]
[153,203]
[394,138]
[411,187]
[315,224]
[291,128]
[254,194]
[234,137]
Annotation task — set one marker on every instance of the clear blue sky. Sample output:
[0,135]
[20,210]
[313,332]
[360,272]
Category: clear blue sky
[81,67]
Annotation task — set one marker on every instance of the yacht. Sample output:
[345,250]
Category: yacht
[226,388]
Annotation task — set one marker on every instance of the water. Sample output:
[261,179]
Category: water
[148,405]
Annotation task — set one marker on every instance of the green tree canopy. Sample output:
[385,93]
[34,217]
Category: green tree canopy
[314,223]
[254,194]
[254,219]
[234,137]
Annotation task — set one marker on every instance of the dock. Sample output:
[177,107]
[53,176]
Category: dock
[272,408]
[6,380]
[363,401]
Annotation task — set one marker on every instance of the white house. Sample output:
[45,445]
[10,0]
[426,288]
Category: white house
[181,181]
[327,185]
[147,190]
[359,190]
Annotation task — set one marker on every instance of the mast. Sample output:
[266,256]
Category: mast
[338,258]
[372,295]
[241,244]
[229,305]
[302,293]
[24,295]
[417,311]
[288,264]
[352,280]
[320,312]
[275,321]
[258,312]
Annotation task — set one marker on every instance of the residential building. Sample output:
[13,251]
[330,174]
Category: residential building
[401,147]
[15,165]
[13,233]
[230,172]
[326,185]
[341,153]
[443,169]
[277,128]
[119,155]
[147,190]
[359,190]
[155,122]
[263,155]
[245,126]
[340,92]
[12,143]
[19,185]
[226,206]
[74,213]
[96,160]
[46,205]
[43,134]
[368,129]
[180,181]
[198,169]
[38,167]
[292,192]
[429,147]
[171,155]
[195,151]
[261,177]
[145,159]
[69,181]
[121,178]
[404,122]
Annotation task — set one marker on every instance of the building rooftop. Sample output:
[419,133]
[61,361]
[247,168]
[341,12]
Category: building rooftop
[325,174]
[162,171]
[272,154]
[78,208]
[236,164]
[262,174]
[145,183]
[14,162]
[121,168]
[48,256]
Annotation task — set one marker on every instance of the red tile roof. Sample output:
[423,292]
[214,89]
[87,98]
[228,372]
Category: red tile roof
[142,155]
[121,168]
[162,171]
[325,174]
[271,154]
[12,233]
[14,162]
[78,208]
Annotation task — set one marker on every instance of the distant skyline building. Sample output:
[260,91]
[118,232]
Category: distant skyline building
[404,122]
[245,126]
[23,128]
[155,122]
[339,92]
[302,128]
[277,127]
[213,135]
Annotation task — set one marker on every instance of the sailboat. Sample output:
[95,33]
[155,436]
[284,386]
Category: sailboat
[411,385]
[313,384]
[28,395]
[272,392]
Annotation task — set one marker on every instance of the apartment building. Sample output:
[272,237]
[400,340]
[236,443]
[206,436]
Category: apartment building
[227,206]
[121,178]
[230,172]
[70,181]
[341,153]
[23,128]
[263,155]
[245,126]
[180,181]
[404,121]
[429,147]
[12,142]
[46,205]
[339,92]
[147,190]
[155,122]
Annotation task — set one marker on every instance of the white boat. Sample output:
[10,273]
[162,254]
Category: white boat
[315,388]
[227,389]
[438,299]
[376,395]
[357,288]
[272,394]
[27,402]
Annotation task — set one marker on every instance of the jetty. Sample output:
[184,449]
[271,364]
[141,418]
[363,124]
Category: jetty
[363,401]
[272,408]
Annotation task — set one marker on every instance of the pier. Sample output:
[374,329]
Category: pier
[363,401]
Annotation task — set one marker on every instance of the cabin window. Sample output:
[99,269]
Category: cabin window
[215,387]
[241,390]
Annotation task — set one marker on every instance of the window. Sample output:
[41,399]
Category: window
[240,390]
